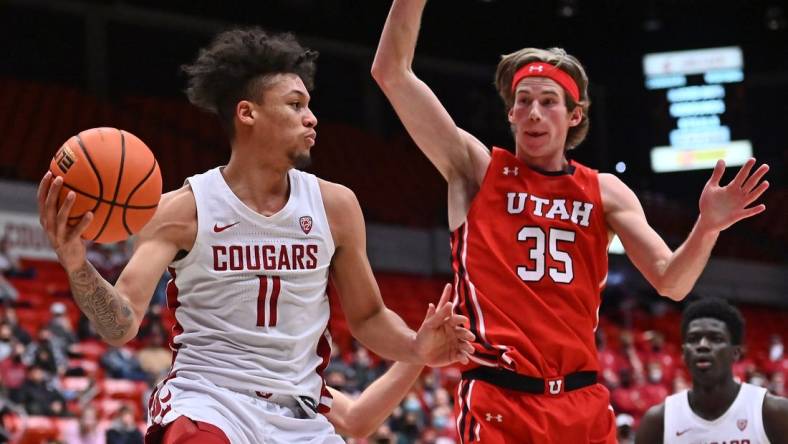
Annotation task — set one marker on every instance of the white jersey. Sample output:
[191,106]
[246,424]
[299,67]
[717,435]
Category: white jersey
[741,424]
[250,297]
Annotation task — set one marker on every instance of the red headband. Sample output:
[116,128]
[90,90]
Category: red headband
[539,69]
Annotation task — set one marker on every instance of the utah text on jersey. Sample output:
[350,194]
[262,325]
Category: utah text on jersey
[580,213]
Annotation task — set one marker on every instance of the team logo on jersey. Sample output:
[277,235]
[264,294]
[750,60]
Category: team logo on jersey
[511,171]
[741,424]
[306,224]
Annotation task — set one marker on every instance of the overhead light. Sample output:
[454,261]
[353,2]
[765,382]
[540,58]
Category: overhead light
[774,18]
[567,8]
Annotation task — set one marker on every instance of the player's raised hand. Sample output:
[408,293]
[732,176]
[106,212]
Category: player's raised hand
[442,339]
[65,240]
[723,206]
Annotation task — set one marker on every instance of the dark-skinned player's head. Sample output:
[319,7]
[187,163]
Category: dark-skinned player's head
[712,332]
[240,64]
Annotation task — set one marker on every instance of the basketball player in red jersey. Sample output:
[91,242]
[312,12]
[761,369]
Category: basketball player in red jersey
[529,240]
[250,246]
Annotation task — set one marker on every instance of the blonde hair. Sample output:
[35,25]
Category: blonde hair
[509,65]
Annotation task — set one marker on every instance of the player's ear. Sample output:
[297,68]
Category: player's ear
[736,353]
[510,115]
[576,116]
[245,112]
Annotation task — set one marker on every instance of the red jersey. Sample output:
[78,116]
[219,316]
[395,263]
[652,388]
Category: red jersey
[529,264]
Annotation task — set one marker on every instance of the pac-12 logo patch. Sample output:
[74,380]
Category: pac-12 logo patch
[306,224]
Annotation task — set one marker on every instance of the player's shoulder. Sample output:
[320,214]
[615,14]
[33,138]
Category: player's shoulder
[652,425]
[775,412]
[336,196]
[775,407]
[175,218]
[655,412]
[179,203]
[616,195]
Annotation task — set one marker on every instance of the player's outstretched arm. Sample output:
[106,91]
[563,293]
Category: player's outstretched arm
[775,419]
[115,312]
[674,273]
[360,417]
[456,155]
[378,328]
[652,426]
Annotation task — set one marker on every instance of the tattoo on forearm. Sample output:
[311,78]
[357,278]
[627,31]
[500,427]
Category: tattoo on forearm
[111,316]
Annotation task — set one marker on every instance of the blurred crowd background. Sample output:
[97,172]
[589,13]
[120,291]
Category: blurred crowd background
[69,65]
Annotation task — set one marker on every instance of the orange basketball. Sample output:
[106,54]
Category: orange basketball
[114,175]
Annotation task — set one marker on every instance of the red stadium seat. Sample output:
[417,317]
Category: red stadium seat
[75,383]
[90,349]
[38,429]
[123,389]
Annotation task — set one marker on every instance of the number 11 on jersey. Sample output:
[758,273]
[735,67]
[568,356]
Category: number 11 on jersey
[268,309]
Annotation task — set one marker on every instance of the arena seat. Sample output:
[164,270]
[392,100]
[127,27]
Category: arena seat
[38,429]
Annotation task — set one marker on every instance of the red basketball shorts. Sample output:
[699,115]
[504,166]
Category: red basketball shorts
[489,414]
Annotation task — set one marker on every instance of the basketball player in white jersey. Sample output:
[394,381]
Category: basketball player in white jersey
[717,409]
[250,246]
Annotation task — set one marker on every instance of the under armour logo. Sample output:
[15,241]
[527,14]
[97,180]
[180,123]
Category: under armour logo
[489,417]
[513,171]
[536,68]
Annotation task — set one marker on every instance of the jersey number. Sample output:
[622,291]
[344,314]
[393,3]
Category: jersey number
[269,308]
[537,254]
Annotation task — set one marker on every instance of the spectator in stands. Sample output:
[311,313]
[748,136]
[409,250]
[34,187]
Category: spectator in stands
[384,435]
[364,369]
[777,362]
[155,358]
[86,430]
[8,293]
[624,428]
[38,396]
[124,428]
[85,330]
[10,265]
[777,384]
[9,316]
[46,353]
[654,390]
[7,409]
[151,321]
[120,363]
[107,259]
[6,341]
[609,361]
[12,370]
[628,397]
[62,332]
[657,352]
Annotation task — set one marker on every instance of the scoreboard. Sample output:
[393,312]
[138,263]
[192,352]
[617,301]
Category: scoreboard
[698,100]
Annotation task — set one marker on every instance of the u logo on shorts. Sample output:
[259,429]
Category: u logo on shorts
[555,386]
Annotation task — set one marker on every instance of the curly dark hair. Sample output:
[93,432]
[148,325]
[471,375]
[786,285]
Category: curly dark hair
[715,308]
[238,64]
